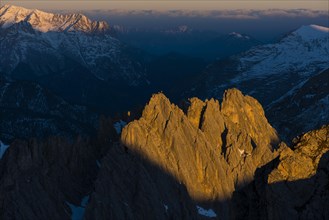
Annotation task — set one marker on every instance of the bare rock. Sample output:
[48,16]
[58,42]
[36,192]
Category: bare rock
[211,150]
[292,186]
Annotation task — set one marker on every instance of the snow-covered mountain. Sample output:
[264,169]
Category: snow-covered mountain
[270,71]
[45,22]
[45,42]
[305,49]
[71,55]
[239,36]
[302,109]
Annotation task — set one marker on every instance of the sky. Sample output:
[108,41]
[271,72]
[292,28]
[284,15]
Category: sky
[171,4]
[255,18]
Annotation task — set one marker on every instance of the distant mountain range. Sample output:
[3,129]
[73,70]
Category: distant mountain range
[49,22]
[272,71]
[81,61]
[70,50]
[208,45]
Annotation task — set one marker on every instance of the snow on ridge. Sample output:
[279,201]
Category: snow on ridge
[119,126]
[301,50]
[3,149]
[78,211]
[45,22]
[312,32]
[319,28]
[238,35]
[206,212]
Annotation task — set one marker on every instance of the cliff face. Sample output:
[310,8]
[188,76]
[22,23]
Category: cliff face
[212,149]
[215,160]
[297,188]
[292,186]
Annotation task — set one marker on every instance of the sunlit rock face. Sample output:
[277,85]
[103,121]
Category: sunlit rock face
[212,149]
[292,186]
[214,160]
[298,187]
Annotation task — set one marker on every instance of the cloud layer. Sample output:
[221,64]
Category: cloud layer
[229,14]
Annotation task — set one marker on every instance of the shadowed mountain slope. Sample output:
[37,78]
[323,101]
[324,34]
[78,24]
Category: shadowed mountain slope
[212,161]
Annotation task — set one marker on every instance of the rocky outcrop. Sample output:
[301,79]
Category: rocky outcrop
[212,149]
[293,186]
[298,186]
[129,187]
[215,160]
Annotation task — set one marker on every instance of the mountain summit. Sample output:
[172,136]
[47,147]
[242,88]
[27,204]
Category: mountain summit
[46,22]
[52,49]
[211,161]
[212,149]
[312,32]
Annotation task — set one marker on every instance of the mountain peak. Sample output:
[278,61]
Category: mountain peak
[238,35]
[46,22]
[317,27]
[179,142]
[311,32]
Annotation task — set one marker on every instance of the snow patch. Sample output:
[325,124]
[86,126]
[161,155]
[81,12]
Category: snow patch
[78,211]
[3,149]
[311,32]
[206,212]
[84,201]
[238,35]
[119,126]
[319,28]
[166,207]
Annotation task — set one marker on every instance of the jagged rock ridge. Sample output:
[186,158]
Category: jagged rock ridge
[223,158]
[46,22]
[46,42]
[293,186]
[71,56]
[212,149]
